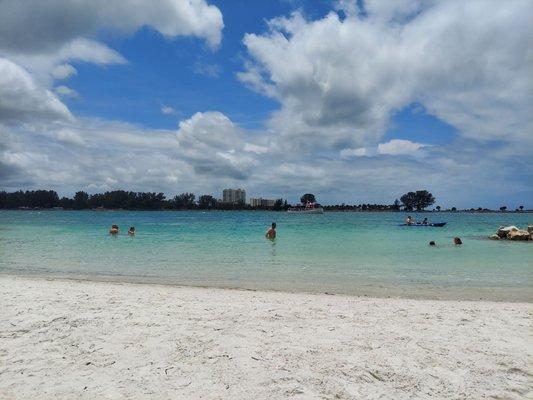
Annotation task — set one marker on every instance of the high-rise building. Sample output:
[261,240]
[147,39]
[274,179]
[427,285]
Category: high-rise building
[260,202]
[234,196]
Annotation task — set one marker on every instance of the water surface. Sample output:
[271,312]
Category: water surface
[353,253]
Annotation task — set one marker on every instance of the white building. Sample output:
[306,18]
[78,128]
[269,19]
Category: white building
[260,202]
[234,196]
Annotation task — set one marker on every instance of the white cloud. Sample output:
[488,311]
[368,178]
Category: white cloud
[208,70]
[63,71]
[22,99]
[254,148]
[69,136]
[397,147]
[339,81]
[168,110]
[359,152]
[34,26]
[65,91]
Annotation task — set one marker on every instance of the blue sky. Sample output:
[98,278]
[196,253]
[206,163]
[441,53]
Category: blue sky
[357,101]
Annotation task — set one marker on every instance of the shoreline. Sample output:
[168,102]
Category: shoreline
[82,339]
[488,294]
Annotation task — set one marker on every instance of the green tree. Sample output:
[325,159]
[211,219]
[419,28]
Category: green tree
[184,200]
[503,208]
[396,205]
[81,200]
[308,198]
[417,200]
[207,201]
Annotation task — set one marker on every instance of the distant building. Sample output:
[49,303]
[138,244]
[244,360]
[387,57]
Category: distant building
[260,202]
[234,196]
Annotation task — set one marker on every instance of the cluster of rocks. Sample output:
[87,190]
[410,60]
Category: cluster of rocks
[513,233]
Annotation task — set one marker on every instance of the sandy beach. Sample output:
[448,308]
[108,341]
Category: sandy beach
[95,340]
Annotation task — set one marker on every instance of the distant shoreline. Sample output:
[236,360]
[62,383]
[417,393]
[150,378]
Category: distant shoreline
[326,209]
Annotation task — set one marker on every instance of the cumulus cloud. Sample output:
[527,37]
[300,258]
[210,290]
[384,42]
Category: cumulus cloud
[215,146]
[22,99]
[65,91]
[397,147]
[63,71]
[339,80]
[34,26]
[209,152]
[359,152]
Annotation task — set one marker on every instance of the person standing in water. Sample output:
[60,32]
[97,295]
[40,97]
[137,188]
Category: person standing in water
[271,233]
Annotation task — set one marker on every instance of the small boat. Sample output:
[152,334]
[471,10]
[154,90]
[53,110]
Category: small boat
[316,210]
[431,224]
[309,208]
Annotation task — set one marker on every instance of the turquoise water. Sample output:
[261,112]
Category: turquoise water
[355,253]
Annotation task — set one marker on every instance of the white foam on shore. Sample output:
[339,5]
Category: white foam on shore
[73,339]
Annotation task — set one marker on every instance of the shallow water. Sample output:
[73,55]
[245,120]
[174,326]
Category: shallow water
[354,253]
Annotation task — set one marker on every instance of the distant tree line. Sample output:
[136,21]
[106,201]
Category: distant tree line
[121,199]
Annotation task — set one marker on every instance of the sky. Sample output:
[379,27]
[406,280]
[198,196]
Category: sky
[354,101]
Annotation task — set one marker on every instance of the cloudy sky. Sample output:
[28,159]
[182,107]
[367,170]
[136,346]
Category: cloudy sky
[355,101]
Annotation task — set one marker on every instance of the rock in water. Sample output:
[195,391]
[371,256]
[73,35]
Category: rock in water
[504,231]
[494,237]
[518,235]
[530,229]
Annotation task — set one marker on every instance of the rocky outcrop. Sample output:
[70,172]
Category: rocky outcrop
[513,233]
[518,235]
[504,231]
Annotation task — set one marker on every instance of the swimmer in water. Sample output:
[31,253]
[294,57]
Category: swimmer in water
[114,229]
[457,241]
[131,231]
[271,233]
[409,220]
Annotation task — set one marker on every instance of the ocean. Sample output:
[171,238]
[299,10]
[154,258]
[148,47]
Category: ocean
[346,253]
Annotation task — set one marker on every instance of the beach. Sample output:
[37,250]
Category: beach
[93,340]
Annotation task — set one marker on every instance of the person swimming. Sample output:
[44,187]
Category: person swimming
[114,229]
[131,231]
[432,243]
[425,221]
[457,241]
[271,233]
[409,220]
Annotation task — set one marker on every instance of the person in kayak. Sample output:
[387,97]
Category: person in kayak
[409,220]
[271,233]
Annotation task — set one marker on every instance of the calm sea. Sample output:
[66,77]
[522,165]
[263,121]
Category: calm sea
[354,253]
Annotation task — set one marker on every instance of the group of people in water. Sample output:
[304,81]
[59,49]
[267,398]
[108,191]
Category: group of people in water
[456,241]
[271,232]
[411,221]
[114,230]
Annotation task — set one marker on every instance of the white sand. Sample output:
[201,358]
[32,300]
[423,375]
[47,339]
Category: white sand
[69,339]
